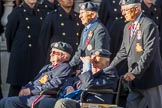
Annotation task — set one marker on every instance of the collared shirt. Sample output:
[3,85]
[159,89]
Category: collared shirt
[136,22]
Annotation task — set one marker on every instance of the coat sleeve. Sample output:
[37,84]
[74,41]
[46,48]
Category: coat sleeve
[54,81]
[75,61]
[120,56]
[11,27]
[102,79]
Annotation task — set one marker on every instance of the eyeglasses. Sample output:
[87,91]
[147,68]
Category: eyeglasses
[55,52]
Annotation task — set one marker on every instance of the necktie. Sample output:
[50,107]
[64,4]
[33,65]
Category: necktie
[131,28]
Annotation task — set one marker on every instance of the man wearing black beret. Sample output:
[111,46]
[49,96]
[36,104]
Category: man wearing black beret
[140,46]
[51,76]
[94,35]
[96,73]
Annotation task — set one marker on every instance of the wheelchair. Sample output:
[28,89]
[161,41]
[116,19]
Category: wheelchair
[87,102]
[97,93]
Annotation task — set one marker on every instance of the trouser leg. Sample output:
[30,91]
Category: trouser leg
[133,100]
[153,97]
[12,102]
[46,103]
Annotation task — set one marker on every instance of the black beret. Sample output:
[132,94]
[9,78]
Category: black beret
[62,46]
[128,2]
[89,6]
[101,52]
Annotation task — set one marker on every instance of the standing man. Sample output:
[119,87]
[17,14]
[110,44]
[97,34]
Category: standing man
[141,48]
[51,76]
[60,25]
[94,36]
[22,33]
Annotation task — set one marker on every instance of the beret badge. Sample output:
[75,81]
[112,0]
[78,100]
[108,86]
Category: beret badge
[83,7]
[56,45]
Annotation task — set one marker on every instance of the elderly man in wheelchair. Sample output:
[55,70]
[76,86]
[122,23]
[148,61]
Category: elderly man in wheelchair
[51,76]
[96,74]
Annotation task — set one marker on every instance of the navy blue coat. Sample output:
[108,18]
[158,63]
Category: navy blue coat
[48,7]
[22,33]
[50,77]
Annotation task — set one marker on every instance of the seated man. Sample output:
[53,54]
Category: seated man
[96,73]
[51,76]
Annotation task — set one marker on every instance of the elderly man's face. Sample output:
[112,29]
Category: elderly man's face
[130,12]
[56,56]
[86,16]
[98,63]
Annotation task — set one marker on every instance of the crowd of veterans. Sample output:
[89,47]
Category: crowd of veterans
[54,47]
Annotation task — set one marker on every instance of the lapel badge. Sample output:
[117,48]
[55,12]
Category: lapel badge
[139,48]
[43,79]
[83,7]
[139,35]
[89,47]
[56,45]
[138,26]
[90,34]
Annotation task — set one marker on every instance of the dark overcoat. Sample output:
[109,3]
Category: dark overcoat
[22,33]
[48,7]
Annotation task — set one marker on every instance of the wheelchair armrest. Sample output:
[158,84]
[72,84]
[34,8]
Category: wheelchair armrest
[95,91]
[100,90]
[49,92]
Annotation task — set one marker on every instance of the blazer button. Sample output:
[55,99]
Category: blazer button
[28,27]
[30,45]
[77,34]
[29,36]
[63,34]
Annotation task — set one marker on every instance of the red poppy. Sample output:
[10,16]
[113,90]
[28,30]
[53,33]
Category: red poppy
[131,26]
[87,41]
